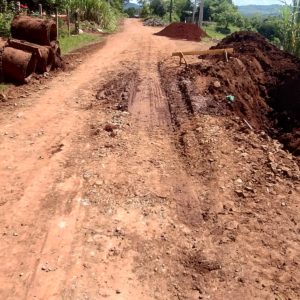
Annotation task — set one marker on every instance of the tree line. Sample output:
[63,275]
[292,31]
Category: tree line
[282,30]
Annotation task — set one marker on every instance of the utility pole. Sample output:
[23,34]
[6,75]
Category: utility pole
[201,8]
[194,11]
[171,11]
[40,10]
[68,21]
[56,19]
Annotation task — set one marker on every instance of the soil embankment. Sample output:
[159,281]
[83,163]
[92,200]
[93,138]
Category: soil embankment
[264,81]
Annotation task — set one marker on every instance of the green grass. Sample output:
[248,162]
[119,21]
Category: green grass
[73,42]
[4,86]
[211,30]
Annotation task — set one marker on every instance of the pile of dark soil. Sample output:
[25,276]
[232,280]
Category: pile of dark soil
[264,81]
[185,31]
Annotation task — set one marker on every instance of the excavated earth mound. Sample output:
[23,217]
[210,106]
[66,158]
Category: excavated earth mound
[186,31]
[264,81]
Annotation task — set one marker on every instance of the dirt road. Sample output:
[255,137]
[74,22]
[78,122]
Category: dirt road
[111,190]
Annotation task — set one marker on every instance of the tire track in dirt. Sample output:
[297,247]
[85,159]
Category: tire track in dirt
[44,248]
[136,189]
[57,117]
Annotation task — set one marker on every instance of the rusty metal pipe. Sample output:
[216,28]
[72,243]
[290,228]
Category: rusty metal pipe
[18,66]
[34,30]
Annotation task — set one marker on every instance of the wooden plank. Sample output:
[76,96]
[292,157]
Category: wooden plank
[204,52]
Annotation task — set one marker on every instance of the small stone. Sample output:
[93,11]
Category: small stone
[232,225]
[264,147]
[249,188]
[286,171]
[44,268]
[118,292]
[239,181]
[217,84]
[3,97]
[110,127]
[273,167]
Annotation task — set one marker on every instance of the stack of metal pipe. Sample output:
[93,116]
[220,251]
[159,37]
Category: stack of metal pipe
[33,48]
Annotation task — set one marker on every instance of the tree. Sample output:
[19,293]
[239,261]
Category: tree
[290,27]
[131,12]
[145,11]
[224,13]
[158,7]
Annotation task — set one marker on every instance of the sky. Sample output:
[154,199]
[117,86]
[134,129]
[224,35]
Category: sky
[258,2]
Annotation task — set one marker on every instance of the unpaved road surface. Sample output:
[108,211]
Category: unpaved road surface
[112,189]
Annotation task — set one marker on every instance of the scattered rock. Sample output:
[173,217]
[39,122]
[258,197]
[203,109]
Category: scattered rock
[217,84]
[286,171]
[109,127]
[239,181]
[3,97]
[240,193]
[232,225]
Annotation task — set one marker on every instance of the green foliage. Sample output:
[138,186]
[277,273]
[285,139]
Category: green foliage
[5,21]
[212,32]
[131,12]
[182,9]
[270,28]
[175,17]
[7,13]
[216,32]
[105,13]
[158,7]
[224,13]
[4,86]
[145,12]
[291,28]
[283,31]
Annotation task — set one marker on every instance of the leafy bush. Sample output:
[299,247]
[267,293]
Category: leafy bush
[145,12]
[158,7]
[5,21]
[131,12]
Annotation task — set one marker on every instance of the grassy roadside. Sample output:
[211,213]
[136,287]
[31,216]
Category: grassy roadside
[4,86]
[73,42]
[211,30]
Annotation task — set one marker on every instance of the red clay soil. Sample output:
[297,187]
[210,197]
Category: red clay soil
[185,31]
[265,82]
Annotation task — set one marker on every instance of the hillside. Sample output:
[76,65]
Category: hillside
[248,10]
